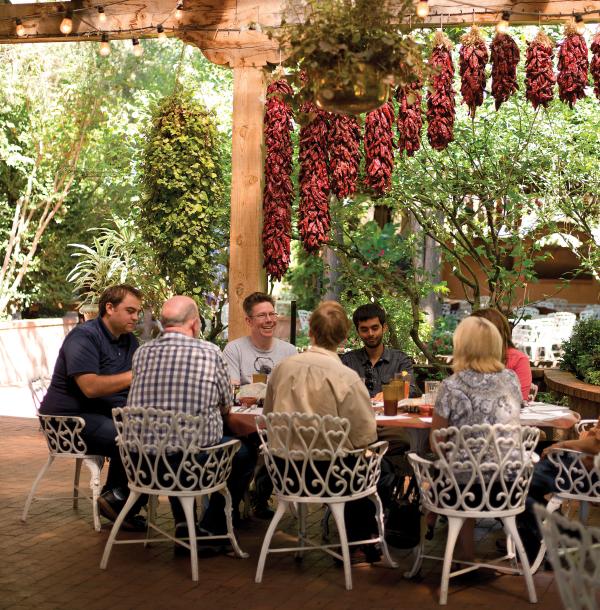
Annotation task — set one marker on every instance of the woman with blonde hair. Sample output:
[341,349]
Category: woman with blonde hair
[481,391]
[512,358]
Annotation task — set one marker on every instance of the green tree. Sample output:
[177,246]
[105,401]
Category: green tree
[183,213]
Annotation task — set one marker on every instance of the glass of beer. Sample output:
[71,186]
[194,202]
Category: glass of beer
[390,399]
[259,378]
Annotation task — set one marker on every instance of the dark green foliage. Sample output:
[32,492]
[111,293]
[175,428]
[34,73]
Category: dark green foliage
[183,215]
[582,352]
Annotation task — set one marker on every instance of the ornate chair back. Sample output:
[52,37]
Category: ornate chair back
[480,469]
[576,478]
[63,434]
[160,451]
[574,552]
[308,456]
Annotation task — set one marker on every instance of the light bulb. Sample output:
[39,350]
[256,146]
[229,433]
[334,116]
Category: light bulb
[579,24]
[20,29]
[104,46]
[138,50]
[66,25]
[101,15]
[422,9]
[503,25]
[179,11]
[162,35]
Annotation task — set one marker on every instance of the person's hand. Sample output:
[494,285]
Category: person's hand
[550,448]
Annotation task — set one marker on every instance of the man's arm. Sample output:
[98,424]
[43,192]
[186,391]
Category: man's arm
[590,445]
[95,386]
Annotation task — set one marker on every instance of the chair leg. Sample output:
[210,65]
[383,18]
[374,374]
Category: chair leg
[187,503]
[510,527]
[454,526]
[76,482]
[387,561]
[133,496]
[584,511]
[281,508]
[337,510]
[553,505]
[94,467]
[230,533]
[31,495]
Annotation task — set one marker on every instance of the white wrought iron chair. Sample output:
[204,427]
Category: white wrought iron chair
[38,388]
[309,463]
[162,456]
[574,481]
[63,437]
[574,552]
[482,471]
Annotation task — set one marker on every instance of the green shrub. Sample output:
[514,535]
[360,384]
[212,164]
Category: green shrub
[441,337]
[582,352]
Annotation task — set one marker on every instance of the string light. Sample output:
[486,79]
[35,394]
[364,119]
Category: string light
[422,9]
[101,15]
[104,45]
[138,49]
[66,25]
[162,35]
[179,11]
[20,29]
[503,24]
[579,24]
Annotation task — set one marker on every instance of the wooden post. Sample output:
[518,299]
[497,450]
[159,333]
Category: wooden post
[246,273]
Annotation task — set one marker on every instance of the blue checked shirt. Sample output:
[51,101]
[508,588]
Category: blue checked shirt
[179,373]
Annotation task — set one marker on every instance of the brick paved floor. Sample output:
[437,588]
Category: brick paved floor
[51,562]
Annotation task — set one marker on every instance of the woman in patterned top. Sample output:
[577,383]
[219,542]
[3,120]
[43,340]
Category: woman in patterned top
[481,391]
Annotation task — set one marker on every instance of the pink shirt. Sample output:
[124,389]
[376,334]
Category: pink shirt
[519,363]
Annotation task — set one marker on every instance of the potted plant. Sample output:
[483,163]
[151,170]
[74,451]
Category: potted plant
[350,52]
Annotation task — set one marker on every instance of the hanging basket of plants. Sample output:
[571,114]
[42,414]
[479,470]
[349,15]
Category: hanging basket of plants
[351,51]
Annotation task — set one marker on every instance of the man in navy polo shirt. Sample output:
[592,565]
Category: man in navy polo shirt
[91,376]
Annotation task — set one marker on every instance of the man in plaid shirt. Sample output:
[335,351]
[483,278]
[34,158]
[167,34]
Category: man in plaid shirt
[179,372]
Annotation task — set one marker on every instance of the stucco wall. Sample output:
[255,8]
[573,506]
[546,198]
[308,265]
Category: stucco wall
[28,348]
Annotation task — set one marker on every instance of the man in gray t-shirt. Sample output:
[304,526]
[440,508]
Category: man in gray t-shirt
[260,351]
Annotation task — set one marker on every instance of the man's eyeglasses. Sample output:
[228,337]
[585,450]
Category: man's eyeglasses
[264,316]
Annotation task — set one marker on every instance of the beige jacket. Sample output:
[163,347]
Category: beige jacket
[316,382]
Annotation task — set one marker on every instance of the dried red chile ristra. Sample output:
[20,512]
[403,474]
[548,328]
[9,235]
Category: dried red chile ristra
[379,149]
[344,154]
[440,97]
[504,57]
[313,212]
[595,64]
[539,70]
[572,66]
[278,191]
[410,119]
[473,57]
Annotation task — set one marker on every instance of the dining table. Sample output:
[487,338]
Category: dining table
[538,414]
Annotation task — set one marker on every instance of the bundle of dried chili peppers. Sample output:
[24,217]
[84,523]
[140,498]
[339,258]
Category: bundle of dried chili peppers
[440,97]
[473,57]
[572,66]
[595,63]
[314,220]
[504,57]
[379,149]
[278,190]
[409,121]
[344,154]
[539,71]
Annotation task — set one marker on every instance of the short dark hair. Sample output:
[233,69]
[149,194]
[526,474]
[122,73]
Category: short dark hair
[115,294]
[329,325]
[368,311]
[254,299]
